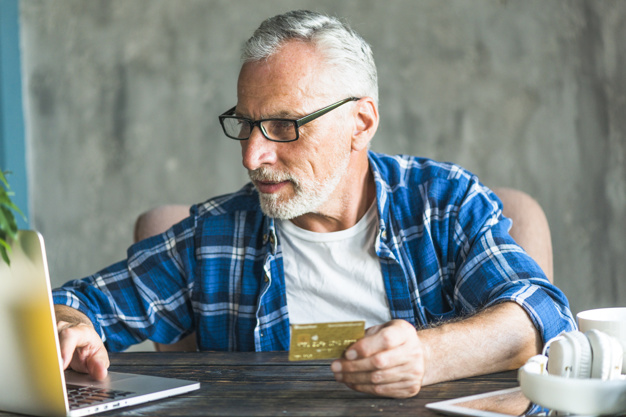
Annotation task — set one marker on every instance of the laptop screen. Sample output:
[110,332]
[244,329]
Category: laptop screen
[32,379]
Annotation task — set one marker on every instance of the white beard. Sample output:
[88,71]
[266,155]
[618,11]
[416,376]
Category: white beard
[308,196]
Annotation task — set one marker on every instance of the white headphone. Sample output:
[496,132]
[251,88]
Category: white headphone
[583,374]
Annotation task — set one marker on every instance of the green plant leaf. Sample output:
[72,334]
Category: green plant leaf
[4,179]
[5,256]
[5,201]
[6,228]
[5,250]
[8,225]
[7,222]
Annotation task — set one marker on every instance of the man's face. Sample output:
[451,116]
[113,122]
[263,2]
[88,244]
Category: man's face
[300,177]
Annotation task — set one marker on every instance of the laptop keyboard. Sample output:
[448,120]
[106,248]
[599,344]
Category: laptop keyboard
[81,396]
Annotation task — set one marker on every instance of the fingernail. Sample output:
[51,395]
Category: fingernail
[335,366]
[351,355]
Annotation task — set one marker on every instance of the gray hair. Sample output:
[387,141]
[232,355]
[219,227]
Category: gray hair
[344,49]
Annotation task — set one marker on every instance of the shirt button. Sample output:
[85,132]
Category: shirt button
[266,278]
[384,234]
[272,239]
[265,238]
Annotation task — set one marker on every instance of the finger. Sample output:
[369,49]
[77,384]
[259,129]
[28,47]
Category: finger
[91,358]
[98,364]
[401,389]
[405,372]
[67,350]
[94,362]
[373,330]
[381,338]
[392,358]
[68,340]
[83,350]
[383,360]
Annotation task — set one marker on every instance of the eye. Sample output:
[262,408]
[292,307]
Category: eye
[280,129]
[243,126]
[237,128]
[281,126]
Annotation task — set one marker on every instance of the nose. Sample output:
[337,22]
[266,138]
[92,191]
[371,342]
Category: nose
[257,151]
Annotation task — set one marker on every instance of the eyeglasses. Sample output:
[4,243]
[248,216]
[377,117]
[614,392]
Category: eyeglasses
[276,130]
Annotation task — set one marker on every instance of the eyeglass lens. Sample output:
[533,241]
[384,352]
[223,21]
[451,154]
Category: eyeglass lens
[281,130]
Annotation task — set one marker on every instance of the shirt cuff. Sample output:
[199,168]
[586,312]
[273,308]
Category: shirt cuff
[68,298]
[548,310]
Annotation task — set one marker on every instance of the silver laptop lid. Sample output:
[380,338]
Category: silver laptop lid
[32,379]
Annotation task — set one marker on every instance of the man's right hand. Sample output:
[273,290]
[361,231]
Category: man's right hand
[81,347]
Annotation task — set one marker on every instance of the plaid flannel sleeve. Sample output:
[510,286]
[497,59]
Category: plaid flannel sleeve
[145,296]
[494,268]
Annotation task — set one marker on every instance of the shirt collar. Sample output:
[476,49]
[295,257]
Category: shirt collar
[382,199]
[382,203]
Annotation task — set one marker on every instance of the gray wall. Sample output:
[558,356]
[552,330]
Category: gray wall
[122,99]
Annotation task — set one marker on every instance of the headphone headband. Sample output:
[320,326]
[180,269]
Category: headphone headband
[572,395]
[580,374]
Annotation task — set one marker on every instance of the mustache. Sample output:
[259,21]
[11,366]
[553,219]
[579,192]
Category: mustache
[265,174]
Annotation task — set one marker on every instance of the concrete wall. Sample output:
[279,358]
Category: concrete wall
[122,98]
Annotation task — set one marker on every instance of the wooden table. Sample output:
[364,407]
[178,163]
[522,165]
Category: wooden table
[266,384]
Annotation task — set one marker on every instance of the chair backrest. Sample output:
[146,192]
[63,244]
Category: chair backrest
[158,220]
[530,230]
[153,222]
[530,226]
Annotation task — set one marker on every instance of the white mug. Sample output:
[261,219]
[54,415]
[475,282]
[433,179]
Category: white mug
[608,320]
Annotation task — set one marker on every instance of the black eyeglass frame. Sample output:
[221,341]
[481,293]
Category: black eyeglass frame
[229,114]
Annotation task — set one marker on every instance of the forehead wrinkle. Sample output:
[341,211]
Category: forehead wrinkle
[272,106]
[290,84]
[282,114]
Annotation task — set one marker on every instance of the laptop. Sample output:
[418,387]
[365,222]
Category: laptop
[32,379]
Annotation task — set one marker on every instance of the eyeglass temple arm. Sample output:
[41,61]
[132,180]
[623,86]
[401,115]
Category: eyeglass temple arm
[229,112]
[321,112]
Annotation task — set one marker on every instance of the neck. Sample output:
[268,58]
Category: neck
[348,203]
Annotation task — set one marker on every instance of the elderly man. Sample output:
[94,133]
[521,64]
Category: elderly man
[326,231]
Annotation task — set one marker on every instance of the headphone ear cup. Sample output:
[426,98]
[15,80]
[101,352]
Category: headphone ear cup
[600,354]
[617,359]
[570,356]
[606,352]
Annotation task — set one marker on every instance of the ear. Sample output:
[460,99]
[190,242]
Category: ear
[365,115]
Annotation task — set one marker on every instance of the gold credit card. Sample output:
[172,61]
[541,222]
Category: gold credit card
[323,340]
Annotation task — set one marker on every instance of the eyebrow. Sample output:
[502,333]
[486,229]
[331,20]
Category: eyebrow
[284,114]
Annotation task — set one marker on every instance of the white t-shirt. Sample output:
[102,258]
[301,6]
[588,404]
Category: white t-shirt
[334,276]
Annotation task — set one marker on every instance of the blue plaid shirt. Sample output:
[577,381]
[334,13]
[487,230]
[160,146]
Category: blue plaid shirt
[443,245]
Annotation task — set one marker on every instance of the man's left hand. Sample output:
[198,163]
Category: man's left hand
[388,361]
